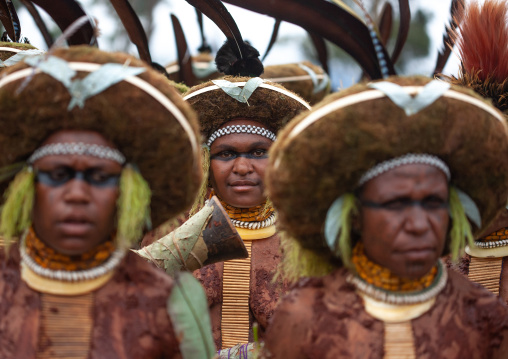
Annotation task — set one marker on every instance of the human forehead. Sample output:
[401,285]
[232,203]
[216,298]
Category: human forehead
[406,179]
[70,136]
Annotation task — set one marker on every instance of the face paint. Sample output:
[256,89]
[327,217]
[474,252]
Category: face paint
[428,204]
[63,174]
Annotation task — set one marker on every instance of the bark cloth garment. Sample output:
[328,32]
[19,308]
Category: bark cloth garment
[324,318]
[129,314]
[264,294]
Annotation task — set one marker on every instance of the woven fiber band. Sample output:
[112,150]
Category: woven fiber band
[410,158]
[228,130]
[77,148]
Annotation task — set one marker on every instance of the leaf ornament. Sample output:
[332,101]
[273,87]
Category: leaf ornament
[337,226]
[318,85]
[412,105]
[235,91]
[188,309]
[470,208]
[82,89]
[22,55]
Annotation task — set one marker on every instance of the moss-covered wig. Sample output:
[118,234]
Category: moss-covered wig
[305,79]
[143,116]
[321,155]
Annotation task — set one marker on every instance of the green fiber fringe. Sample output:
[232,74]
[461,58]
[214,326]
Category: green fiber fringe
[298,262]
[133,207]
[17,209]
[461,233]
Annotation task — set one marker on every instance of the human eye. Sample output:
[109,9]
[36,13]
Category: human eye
[397,204]
[101,177]
[60,174]
[434,202]
[259,153]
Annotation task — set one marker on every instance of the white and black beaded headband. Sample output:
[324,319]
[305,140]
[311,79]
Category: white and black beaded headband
[408,159]
[231,129]
[77,148]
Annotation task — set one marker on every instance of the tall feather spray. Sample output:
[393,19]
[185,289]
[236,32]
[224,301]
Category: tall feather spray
[482,46]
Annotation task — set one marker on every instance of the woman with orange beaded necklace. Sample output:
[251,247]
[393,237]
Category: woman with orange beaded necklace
[92,136]
[391,176]
[238,133]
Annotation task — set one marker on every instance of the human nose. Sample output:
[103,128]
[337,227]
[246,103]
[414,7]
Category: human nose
[242,166]
[416,219]
[77,191]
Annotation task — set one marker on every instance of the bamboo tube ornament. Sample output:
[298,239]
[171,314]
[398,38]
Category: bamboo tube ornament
[235,304]
[66,331]
[487,272]
[399,342]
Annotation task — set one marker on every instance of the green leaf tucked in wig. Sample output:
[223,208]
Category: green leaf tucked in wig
[338,227]
[133,207]
[298,262]
[203,189]
[461,229]
[17,209]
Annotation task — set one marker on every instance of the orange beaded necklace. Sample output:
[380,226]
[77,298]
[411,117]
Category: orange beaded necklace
[47,257]
[254,214]
[383,278]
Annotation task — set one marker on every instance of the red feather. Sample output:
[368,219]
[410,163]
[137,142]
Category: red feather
[483,40]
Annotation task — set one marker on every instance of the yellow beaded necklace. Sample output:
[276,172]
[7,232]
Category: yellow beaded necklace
[383,278]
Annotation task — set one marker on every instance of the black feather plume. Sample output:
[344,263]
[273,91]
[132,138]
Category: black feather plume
[228,62]
[235,57]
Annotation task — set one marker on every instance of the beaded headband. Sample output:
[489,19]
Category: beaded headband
[409,159]
[228,130]
[77,148]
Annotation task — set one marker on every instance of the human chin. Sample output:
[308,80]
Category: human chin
[245,199]
[71,246]
[416,265]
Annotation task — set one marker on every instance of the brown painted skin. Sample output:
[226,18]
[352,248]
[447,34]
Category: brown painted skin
[264,294]
[325,319]
[130,316]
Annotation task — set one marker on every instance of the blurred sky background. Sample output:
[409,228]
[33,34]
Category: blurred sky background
[429,20]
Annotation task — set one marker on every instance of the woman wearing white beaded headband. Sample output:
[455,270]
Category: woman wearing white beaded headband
[388,182]
[91,183]
[238,132]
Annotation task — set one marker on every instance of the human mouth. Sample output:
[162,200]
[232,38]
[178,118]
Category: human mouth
[418,254]
[243,185]
[75,226]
